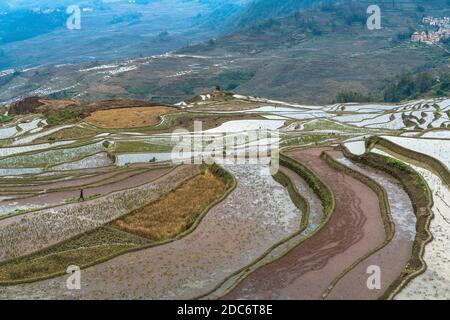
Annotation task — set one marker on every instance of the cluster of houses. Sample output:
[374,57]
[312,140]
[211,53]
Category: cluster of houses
[433,37]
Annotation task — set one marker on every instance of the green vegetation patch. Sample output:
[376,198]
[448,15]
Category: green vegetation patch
[68,134]
[65,115]
[307,139]
[4,119]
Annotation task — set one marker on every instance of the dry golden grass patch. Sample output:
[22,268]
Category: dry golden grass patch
[128,117]
[176,211]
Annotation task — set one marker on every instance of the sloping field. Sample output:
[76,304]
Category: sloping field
[192,265]
[353,230]
[86,189]
[128,117]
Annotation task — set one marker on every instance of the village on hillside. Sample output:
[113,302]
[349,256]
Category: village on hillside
[433,36]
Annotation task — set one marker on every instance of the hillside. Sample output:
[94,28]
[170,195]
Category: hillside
[266,9]
[109,30]
[314,54]
[309,56]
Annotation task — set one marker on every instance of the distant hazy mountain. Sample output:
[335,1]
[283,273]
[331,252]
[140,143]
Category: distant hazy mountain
[264,9]
[34,33]
[23,24]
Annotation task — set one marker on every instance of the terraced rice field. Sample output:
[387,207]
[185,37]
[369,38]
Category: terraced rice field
[358,206]
[393,257]
[203,257]
[308,270]
[433,283]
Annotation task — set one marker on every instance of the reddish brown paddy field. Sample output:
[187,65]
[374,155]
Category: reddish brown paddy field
[395,255]
[355,228]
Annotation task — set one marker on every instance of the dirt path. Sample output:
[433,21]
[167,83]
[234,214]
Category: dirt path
[393,258]
[257,214]
[354,229]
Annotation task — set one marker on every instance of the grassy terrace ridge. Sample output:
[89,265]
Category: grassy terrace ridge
[99,244]
[425,160]
[68,134]
[323,192]
[422,201]
[140,146]
[109,241]
[295,196]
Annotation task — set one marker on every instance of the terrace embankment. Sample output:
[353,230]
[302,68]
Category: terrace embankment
[354,229]
[196,263]
[72,181]
[393,257]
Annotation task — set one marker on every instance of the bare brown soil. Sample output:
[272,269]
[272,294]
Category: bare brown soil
[176,211]
[355,228]
[128,117]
